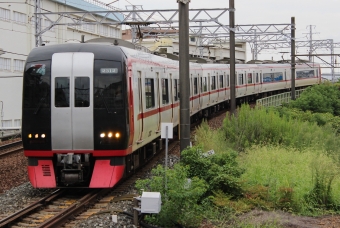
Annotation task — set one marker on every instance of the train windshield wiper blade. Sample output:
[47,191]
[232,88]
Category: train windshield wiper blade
[39,105]
[107,109]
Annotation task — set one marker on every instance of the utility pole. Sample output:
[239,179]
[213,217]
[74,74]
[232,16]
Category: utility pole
[200,41]
[37,17]
[311,48]
[134,28]
[293,57]
[254,49]
[332,61]
[184,82]
[232,57]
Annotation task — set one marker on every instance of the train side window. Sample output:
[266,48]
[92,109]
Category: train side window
[149,93]
[240,79]
[213,82]
[250,78]
[305,74]
[228,82]
[195,86]
[82,92]
[201,84]
[165,91]
[190,82]
[204,84]
[62,92]
[176,89]
[268,77]
[257,77]
[221,84]
[278,76]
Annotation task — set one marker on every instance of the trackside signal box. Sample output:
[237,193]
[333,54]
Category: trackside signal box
[151,202]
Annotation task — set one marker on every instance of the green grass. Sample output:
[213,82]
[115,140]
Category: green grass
[280,169]
[268,126]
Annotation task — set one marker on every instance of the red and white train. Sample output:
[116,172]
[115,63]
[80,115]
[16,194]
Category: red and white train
[92,113]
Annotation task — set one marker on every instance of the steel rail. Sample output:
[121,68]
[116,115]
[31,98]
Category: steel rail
[17,146]
[61,218]
[29,209]
[12,144]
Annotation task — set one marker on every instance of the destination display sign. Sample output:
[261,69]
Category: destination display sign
[108,70]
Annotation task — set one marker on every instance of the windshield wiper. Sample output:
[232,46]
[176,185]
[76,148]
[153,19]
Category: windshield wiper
[39,105]
[107,109]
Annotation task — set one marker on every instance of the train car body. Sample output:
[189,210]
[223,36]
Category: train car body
[92,113]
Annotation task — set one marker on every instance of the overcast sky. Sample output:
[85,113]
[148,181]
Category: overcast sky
[322,14]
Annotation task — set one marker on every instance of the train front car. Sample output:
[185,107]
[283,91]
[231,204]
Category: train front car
[75,120]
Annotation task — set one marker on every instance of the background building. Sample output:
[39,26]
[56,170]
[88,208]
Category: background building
[169,45]
[17,39]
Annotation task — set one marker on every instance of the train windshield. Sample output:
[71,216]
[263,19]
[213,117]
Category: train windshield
[37,85]
[108,86]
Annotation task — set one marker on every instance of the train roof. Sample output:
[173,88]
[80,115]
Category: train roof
[100,51]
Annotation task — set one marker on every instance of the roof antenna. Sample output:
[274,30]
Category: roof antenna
[116,42]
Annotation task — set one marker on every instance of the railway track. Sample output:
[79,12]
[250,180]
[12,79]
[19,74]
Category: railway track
[59,207]
[52,210]
[10,148]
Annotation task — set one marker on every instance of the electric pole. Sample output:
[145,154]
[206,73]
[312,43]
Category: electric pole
[232,57]
[184,81]
[293,57]
[37,18]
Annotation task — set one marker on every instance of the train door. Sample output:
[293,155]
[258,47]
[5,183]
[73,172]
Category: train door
[72,101]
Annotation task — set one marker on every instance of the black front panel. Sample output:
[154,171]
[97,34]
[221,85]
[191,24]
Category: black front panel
[36,118]
[110,106]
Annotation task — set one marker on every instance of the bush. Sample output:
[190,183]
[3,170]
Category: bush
[321,98]
[219,170]
[182,196]
[269,126]
[322,119]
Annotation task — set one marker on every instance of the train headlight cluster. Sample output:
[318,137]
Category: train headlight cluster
[110,135]
[36,136]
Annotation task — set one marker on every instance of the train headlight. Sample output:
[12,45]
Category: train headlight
[43,136]
[117,135]
[110,135]
[29,136]
[102,135]
[36,136]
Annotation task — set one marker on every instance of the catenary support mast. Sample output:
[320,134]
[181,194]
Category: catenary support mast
[183,6]
[232,57]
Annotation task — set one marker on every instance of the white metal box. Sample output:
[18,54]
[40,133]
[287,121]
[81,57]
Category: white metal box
[151,202]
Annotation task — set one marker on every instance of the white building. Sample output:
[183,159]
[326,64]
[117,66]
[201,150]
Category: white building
[17,39]
[218,51]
